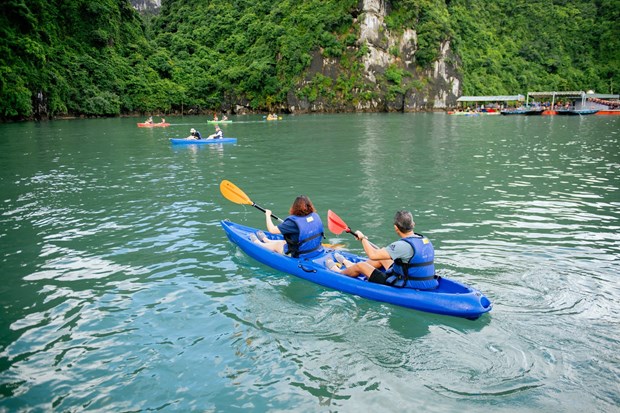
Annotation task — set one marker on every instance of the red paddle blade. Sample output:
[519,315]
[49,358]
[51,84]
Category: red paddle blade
[335,224]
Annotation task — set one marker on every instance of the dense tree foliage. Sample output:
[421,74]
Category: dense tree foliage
[252,49]
[78,56]
[510,46]
[86,57]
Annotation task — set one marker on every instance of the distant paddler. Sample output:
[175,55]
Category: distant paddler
[218,133]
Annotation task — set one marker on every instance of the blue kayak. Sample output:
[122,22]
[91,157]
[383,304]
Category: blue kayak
[201,141]
[450,298]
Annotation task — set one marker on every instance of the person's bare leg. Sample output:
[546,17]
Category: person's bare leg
[359,268]
[366,268]
[275,245]
[271,245]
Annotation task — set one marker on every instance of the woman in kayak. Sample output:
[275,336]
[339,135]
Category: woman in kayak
[302,231]
[408,261]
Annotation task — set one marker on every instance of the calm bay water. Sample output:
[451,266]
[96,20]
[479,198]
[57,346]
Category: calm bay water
[120,291]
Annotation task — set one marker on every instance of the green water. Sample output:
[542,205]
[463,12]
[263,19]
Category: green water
[120,291]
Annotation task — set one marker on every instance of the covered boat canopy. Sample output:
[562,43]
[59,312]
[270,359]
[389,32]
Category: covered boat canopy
[607,96]
[509,98]
[574,95]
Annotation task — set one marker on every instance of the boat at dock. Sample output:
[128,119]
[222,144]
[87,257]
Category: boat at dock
[576,112]
[522,111]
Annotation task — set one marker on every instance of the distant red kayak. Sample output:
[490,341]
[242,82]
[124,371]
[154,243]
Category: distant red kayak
[153,125]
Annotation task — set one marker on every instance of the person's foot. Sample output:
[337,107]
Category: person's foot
[339,257]
[254,239]
[329,263]
[261,236]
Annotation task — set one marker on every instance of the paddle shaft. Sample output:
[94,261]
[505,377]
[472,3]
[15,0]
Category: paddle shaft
[350,231]
[260,208]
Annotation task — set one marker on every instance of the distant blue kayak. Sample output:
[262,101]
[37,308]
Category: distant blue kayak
[201,141]
[450,298]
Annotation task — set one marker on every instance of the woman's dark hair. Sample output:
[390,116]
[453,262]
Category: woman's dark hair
[404,221]
[302,206]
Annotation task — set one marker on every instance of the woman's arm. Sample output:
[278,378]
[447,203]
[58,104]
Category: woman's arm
[270,226]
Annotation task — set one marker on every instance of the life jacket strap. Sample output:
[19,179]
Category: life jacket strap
[400,282]
[311,238]
[293,247]
[420,264]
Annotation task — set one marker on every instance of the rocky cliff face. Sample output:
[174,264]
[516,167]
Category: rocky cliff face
[146,6]
[360,80]
[427,89]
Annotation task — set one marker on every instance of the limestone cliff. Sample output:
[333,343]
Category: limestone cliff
[377,73]
[390,79]
[146,6]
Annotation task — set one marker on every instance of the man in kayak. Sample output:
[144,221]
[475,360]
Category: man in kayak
[302,231]
[218,133]
[408,261]
[194,134]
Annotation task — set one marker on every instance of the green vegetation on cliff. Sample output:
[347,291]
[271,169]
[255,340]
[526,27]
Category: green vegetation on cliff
[80,57]
[511,46]
[83,57]
[245,50]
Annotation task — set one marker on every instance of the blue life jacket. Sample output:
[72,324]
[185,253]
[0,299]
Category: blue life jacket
[419,272]
[308,244]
